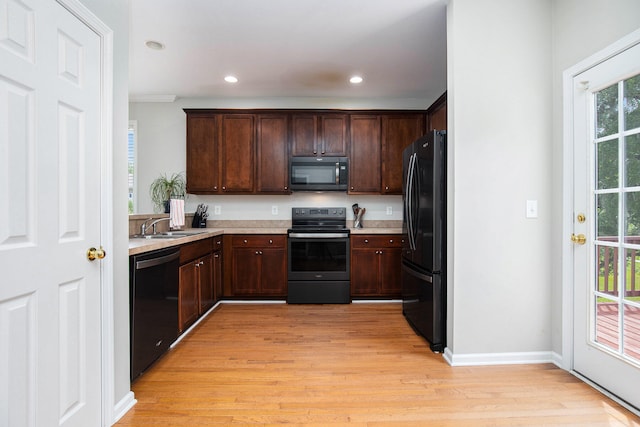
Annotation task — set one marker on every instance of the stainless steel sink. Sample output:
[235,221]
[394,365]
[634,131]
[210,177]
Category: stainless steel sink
[154,236]
[168,235]
[181,233]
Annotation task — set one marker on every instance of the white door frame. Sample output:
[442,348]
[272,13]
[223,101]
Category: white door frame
[567,190]
[105,34]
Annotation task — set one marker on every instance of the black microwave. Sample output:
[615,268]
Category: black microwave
[319,173]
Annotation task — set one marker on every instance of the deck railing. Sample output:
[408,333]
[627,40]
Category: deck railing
[608,267]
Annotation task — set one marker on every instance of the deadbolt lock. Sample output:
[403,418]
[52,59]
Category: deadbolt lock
[581,218]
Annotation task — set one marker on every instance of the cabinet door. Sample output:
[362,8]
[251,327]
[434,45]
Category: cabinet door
[205,279]
[202,154]
[217,275]
[364,162]
[274,272]
[398,131]
[364,272]
[237,153]
[333,135]
[304,135]
[188,295]
[438,118]
[246,271]
[390,260]
[272,144]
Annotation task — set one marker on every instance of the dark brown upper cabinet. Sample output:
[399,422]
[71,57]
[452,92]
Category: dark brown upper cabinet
[272,153]
[364,158]
[398,131]
[203,173]
[319,135]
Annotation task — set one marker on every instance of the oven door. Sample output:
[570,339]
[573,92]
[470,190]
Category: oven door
[318,256]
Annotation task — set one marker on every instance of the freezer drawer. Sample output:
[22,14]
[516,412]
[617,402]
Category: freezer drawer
[424,305]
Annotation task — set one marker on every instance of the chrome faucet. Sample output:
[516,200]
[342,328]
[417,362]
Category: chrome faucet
[153,224]
[144,227]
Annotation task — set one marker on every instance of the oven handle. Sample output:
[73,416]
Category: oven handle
[318,235]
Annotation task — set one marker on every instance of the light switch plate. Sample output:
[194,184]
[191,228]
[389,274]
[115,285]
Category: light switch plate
[274,210]
[217,210]
[532,209]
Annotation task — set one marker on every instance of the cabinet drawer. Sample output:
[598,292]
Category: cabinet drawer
[259,240]
[376,241]
[191,251]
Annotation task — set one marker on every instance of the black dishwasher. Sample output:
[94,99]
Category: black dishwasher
[153,307]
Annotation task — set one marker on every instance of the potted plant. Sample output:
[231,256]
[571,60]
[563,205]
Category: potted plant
[163,187]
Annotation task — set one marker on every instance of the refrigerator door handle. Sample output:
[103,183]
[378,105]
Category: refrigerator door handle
[421,276]
[407,197]
[409,201]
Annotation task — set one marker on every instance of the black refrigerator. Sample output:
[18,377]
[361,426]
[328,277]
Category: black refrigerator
[424,225]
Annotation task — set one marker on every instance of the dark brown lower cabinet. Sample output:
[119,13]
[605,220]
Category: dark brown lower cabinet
[196,291]
[375,266]
[217,268]
[256,266]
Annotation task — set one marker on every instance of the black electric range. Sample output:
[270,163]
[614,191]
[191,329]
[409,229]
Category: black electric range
[318,256]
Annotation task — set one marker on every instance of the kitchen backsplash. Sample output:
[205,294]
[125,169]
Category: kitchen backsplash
[135,221]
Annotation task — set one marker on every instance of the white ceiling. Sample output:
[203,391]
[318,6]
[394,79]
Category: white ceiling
[289,48]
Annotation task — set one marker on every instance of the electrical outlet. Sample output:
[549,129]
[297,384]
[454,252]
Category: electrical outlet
[389,210]
[274,210]
[217,210]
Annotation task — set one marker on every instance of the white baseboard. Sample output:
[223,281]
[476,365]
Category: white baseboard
[481,359]
[123,406]
[557,360]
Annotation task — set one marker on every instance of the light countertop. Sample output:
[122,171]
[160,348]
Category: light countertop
[139,245]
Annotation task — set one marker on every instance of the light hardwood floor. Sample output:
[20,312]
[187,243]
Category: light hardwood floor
[357,364]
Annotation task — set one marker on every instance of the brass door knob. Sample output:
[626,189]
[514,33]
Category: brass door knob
[93,253]
[579,239]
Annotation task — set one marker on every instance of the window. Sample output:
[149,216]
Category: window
[131,156]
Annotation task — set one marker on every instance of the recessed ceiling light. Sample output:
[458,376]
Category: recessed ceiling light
[153,44]
[356,79]
[231,79]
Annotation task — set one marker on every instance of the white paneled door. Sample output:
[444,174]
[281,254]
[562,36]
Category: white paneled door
[606,237]
[50,339]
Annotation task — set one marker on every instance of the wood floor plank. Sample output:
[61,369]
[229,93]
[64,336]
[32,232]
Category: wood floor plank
[356,365]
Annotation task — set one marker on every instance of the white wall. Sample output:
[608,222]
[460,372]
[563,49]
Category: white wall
[161,149]
[499,94]
[580,29]
[114,14]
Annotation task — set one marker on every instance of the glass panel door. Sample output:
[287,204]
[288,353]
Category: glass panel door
[606,254]
[615,317]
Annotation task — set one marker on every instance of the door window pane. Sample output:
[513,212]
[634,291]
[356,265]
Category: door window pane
[632,331]
[607,168]
[607,270]
[631,103]
[632,279]
[607,212]
[607,111]
[632,160]
[632,217]
[607,323]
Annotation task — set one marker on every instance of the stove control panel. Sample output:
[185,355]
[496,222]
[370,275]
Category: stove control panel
[326,213]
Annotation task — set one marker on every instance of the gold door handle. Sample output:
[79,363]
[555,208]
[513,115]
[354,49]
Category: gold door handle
[93,253]
[579,239]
